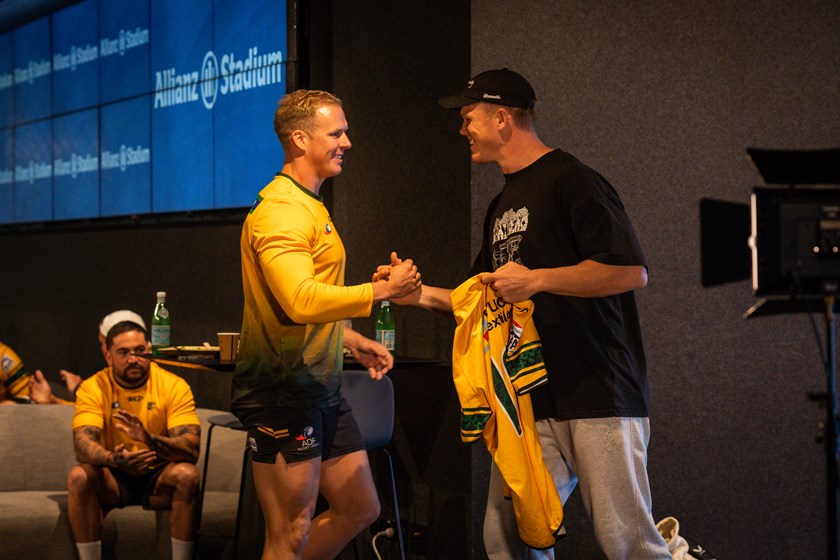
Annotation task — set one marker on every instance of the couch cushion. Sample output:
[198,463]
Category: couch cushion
[36,447]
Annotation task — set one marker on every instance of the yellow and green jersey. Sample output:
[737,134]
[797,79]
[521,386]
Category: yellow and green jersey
[290,348]
[14,379]
[496,361]
[165,401]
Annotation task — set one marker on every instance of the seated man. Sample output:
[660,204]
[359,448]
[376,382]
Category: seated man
[136,436]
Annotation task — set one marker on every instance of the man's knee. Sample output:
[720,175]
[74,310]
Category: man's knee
[184,478]
[83,479]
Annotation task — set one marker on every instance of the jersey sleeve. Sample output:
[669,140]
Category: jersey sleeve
[89,404]
[181,407]
[283,238]
[15,377]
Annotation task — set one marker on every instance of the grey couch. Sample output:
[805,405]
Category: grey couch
[36,454]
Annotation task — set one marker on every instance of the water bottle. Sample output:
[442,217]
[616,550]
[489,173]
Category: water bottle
[161,324]
[385,331]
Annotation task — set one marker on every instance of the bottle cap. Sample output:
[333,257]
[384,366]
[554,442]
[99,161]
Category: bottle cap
[161,294]
[386,303]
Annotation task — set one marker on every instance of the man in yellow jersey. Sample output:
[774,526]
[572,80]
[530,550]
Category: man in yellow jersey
[136,436]
[286,388]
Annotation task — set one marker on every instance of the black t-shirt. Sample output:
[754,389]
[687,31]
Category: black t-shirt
[559,212]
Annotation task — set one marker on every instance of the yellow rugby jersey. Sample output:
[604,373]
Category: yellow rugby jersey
[496,361]
[14,379]
[290,348]
[165,401]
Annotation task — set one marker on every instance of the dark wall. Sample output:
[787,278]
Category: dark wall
[61,283]
[662,98]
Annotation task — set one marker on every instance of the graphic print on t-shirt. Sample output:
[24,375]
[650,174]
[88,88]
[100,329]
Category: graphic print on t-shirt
[507,229]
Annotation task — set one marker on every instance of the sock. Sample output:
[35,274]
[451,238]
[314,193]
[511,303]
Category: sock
[90,550]
[181,550]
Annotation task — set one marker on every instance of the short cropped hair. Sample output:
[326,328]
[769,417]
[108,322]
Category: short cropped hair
[297,111]
[123,327]
[523,117]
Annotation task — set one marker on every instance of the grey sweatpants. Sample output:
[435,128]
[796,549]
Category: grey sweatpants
[607,458]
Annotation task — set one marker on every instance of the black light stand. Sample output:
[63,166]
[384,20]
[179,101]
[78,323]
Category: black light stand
[829,427]
[795,244]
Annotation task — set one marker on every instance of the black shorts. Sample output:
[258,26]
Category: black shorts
[136,490]
[301,433]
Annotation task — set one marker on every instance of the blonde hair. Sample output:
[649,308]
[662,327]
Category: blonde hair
[296,111]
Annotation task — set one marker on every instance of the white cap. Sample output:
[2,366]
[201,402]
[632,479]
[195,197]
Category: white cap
[118,317]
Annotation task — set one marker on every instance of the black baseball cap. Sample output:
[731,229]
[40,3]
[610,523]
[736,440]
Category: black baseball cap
[500,87]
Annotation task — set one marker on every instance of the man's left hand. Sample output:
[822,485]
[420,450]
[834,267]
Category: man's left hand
[369,353]
[40,391]
[132,426]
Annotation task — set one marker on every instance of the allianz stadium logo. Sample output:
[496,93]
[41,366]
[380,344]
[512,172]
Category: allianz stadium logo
[227,75]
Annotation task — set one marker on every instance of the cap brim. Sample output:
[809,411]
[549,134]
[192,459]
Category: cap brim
[455,102]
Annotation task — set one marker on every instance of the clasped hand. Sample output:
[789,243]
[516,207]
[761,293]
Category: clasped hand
[401,276]
[134,462]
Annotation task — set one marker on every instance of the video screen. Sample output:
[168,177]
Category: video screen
[114,108]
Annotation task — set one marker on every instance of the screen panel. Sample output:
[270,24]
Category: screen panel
[7,81]
[32,75]
[7,176]
[251,81]
[33,172]
[75,58]
[124,49]
[125,157]
[76,165]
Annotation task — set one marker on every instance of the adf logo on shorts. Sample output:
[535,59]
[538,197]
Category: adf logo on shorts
[306,439]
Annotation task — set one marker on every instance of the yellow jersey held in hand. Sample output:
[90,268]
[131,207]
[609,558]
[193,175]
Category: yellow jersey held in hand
[496,361]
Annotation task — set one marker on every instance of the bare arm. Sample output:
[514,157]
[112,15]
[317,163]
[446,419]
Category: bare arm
[515,283]
[371,354]
[182,444]
[89,450]
[426,297]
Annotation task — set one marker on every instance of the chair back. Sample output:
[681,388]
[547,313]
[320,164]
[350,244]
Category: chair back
[372,402]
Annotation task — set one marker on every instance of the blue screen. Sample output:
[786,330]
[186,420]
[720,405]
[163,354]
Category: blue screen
[252,81]
[7,81]
[124,49]
[32,72]
[76,165]
[7,176]
[136,107]
[33,172]
[182,127]
[125,158]
[75,59]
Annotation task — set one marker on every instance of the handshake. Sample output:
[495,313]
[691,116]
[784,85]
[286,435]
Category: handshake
[398,281]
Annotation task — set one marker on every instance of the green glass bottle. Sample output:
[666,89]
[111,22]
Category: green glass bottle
[385,329]
[161,324]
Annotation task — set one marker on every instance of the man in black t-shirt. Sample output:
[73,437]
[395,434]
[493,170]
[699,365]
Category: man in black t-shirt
[558,234]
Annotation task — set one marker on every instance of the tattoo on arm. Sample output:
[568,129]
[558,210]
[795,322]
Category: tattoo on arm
[181,445]
[89,450]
